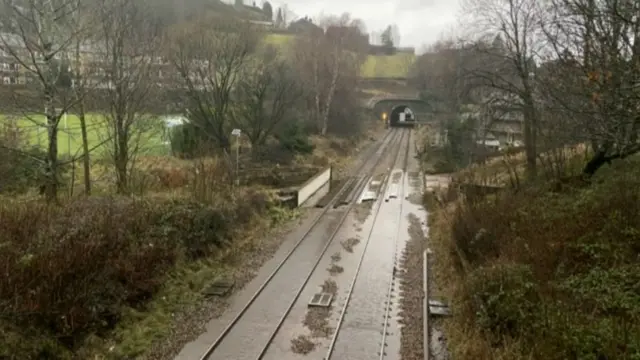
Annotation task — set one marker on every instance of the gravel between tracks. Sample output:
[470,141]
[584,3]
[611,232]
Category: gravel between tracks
[411,293]
[317,321]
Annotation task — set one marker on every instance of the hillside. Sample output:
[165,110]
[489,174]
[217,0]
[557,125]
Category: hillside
[174,11]
[376,66]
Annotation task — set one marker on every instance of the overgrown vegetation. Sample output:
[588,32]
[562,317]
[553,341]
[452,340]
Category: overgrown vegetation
[547,272]
[71,271]
[539,248]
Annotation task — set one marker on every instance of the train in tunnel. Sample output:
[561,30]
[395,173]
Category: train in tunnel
[401,116]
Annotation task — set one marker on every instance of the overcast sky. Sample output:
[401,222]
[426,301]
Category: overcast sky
[420,21]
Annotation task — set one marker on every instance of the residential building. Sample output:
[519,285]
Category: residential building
[499,122]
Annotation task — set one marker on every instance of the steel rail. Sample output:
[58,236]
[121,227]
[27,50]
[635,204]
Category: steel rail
[389,136]
[387,310]
[319,259]
[343,312]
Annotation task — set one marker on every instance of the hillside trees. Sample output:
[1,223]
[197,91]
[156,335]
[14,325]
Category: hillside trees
[329,59]
[437,72]
[602,93]
[209,58]
[515,28]
[387,40]
[267,92]
[280,22]
[268,10]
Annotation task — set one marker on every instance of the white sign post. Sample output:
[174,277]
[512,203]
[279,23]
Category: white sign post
[237,133]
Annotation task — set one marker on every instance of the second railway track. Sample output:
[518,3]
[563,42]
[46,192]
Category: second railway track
[361,328]
[249,334]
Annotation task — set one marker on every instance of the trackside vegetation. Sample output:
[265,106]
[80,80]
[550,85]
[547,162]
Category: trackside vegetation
[549,271]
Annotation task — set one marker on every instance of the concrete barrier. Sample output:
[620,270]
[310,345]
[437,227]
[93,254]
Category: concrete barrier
[319,182]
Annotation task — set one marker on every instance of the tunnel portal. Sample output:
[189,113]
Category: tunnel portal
[402,115]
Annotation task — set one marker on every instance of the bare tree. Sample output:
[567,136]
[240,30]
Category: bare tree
[326,56]
[208,57]
[509,69]
[128,42]
[595,80]
[37,35]
[266,94]
[84,79]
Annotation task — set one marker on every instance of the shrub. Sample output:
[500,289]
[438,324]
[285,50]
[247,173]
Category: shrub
[295,139]
[555,271]
[70,271]
[186,140]
[505,298]
[21,166]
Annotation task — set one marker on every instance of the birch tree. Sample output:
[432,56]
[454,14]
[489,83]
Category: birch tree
[324,57]
[85,78]
[37,35]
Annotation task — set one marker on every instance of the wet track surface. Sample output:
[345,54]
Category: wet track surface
[247,336]
[372,262]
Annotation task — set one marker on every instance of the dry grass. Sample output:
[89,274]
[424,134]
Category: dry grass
[340,152]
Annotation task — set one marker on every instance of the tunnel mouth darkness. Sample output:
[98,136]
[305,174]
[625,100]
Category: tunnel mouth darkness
[395,116]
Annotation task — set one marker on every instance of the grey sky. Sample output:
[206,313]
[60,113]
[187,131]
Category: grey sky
[420,21]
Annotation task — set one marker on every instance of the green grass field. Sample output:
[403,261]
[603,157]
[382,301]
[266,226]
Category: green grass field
[279,39]
[391,66]
[33,133]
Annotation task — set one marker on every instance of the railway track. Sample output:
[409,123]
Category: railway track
[250,333]
[362,323]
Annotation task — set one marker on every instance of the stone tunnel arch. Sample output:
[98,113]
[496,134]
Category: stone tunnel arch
[421,109]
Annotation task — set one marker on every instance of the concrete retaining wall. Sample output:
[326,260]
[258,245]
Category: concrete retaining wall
[319,182]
